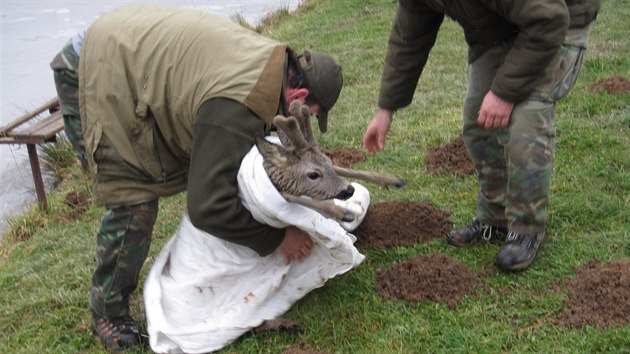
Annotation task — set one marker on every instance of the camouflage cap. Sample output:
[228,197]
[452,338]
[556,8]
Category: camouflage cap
[325,81]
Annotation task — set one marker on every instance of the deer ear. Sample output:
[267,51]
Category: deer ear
[273,153]
[280,123]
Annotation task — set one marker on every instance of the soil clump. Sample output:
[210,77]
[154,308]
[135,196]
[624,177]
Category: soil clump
[599,295]
[433,277]
[301,350]
[451,158]
[344,156]
[77,200]
[615,85]
[401,223]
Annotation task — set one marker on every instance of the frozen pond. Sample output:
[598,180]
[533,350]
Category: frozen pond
[31,33]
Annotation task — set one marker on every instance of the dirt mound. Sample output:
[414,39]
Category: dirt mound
[599,295]
[344,156]
[401,223]
[301,350]
[615,85]
[77,200]
[451,158]
[433,277]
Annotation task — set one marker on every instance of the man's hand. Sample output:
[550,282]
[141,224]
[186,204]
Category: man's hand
[494,112]
[296,245]
[375,135]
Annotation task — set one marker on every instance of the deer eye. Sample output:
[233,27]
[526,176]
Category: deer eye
[313,175]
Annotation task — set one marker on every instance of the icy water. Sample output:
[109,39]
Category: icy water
[31,33]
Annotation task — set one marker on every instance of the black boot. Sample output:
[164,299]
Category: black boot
[116,334]
[518,251]
[474,233]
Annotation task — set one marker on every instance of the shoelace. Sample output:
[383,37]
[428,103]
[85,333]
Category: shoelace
[120,326]
[486,230]
[512,236]
[516,237]
[486,234]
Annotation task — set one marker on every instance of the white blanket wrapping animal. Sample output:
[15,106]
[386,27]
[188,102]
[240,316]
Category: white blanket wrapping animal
[202,292]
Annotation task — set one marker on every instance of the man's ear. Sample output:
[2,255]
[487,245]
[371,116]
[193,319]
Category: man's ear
[297,94]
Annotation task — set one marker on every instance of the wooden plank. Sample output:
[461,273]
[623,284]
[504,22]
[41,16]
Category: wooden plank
[39,132]
[27,140]
[19,121]
[37,176]
[44,128]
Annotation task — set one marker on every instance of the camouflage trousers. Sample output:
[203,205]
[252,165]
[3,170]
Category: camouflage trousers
[124,238]
[122,245]
[514,165]
[65,66]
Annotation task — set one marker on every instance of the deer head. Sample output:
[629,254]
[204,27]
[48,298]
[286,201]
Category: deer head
[299,167]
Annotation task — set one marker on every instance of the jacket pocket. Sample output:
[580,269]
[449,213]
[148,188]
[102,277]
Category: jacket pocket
[152,150]
[143,143]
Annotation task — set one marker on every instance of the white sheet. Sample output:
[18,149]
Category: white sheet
[202,293]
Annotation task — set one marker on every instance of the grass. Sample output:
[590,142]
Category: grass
[47,258]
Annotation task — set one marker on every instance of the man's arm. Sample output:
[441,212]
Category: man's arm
[543,26]
[412,36]
[223,133]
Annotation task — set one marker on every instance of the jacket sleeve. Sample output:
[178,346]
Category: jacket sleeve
[224,131]
[543,26]
[413,34]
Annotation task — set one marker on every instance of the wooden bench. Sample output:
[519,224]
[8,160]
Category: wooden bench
[34,128]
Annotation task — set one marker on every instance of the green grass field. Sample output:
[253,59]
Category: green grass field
[46,259]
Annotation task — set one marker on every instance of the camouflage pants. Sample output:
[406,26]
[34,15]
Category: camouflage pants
[514,165]
[65,66]
[122,245]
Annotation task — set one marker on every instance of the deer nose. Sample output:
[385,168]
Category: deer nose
[346,193]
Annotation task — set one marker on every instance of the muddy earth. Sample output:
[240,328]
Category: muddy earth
[615,85]
[599,295]
[301,350]
[77,200]
[433,277]
[401,223]
[344,156]
[451,158]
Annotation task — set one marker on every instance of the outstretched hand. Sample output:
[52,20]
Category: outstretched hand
[296,245]
[375,135]
[494,112]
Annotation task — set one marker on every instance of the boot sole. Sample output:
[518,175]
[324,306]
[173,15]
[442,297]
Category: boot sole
[516,267]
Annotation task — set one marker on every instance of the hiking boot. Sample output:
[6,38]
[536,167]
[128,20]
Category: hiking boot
[474,233]
[518,251]
[116,334]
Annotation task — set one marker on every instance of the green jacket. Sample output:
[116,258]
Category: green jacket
[145,74]
[534,28]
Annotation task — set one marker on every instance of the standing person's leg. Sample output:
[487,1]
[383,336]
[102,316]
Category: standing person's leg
[530,154]
[123,243]
[485,148]
[65,66]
